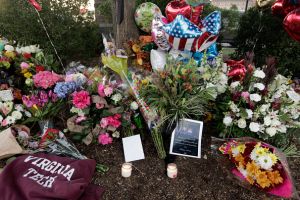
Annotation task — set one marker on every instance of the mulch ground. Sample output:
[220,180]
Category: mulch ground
[198,179]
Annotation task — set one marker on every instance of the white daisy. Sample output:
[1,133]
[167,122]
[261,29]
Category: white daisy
[265,162]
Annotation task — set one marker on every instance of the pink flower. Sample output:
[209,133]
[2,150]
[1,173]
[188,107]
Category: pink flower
[246,96]
[101,90]
[80,119]
[81,99]
[114,122]
[132,127]
[104,139]
[27,101]
[24,65]
[104,122]
[111,121]
[4,122]
[99,105]
[117,116]
[45,79]
[108,91]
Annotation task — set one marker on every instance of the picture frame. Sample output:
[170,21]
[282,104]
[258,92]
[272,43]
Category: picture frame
[186,138]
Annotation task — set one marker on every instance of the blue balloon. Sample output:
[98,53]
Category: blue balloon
[198,57]
[212,51]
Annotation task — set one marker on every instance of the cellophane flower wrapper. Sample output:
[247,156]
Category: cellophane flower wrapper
[62,147]
[117,64]
[286,189]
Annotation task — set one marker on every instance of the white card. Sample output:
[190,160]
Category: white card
[6,95]
[133,148]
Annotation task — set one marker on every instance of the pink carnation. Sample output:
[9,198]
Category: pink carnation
[81,99]
[104,122]
[45,79]
[104,139]
[111,121]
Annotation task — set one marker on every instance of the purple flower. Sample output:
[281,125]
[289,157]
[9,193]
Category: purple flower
[27,101]
[43,98]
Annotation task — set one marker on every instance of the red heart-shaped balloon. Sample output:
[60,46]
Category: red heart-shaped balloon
[283,7]
[291,24]
[175,8]
[277,8]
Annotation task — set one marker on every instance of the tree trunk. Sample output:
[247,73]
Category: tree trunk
[127,29]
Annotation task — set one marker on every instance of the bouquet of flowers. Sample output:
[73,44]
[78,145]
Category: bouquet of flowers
[102,108]
[259,105]
[43,105]
[176,93]
[259,164]
[11,114]
[22,62]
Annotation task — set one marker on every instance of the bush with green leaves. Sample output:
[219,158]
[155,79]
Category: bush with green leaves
[263,33]
[74,35]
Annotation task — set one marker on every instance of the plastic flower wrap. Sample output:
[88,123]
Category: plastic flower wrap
[112,59]
[117,64]
[258,164]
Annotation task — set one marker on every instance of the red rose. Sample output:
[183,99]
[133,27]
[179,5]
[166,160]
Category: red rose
[39,68]
[27,55]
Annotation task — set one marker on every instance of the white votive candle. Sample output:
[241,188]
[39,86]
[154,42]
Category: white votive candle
[172,170]
[126,170]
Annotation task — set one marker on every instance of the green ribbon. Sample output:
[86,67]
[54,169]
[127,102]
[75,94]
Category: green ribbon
[101,168]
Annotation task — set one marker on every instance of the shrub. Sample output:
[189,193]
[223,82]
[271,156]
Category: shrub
[263,33]
[75,36]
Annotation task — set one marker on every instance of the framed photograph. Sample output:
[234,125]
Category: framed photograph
[186,138]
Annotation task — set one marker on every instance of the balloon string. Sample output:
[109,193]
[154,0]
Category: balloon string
[42,22]
[260,28]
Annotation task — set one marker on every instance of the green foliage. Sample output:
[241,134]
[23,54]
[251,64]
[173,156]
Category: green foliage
[74,35]
[263,33]
[105,9]
[177,94]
